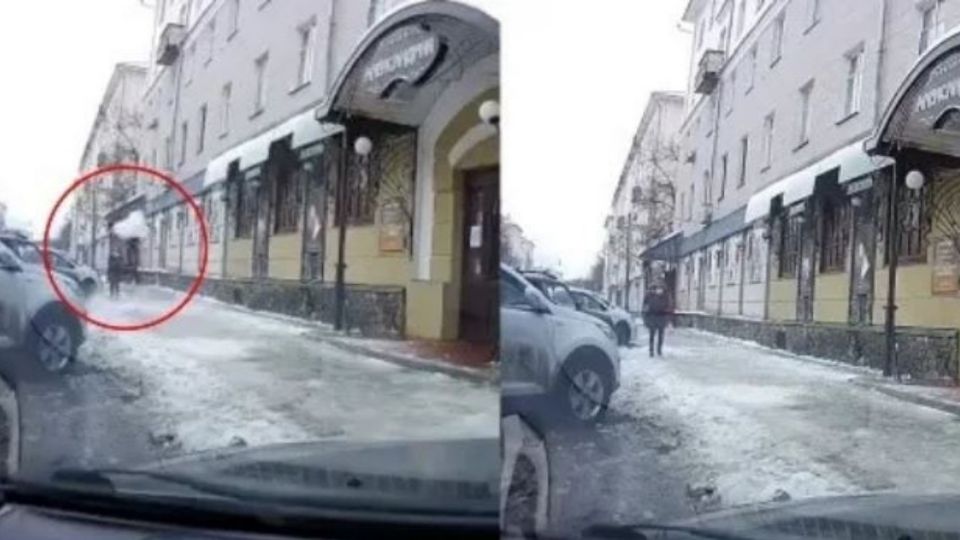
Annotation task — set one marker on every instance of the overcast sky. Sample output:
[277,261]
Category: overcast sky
[57,57]
[576,78]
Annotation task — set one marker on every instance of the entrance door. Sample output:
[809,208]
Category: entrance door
[479,298]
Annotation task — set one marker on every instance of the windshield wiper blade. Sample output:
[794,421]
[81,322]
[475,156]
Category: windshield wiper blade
[635,531]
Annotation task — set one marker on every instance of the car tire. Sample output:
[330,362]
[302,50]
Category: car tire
[54,339]
[584,388]
[623,334]
[88,286]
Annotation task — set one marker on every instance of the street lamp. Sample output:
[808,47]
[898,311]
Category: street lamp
[362,148]
[915,180]
[490,113]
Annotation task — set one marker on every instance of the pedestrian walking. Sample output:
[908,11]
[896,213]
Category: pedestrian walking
[657,313]
[114,270]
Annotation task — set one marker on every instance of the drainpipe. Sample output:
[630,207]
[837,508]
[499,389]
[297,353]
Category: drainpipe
[881,55]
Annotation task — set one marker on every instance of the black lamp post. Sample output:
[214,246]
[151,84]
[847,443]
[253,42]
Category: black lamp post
[362,147]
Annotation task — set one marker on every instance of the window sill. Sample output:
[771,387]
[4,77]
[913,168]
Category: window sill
[257,113]
[233,35]
[207,62]
[728,113]
[775,61]
[748,90]
[802,145]
[299,87]
[263,4]
[846,117]
[223,135]
[811,26]
[764,169]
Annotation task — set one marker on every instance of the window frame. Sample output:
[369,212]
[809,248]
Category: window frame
[226,97]
[853,87]
[776,46]
[744,160]
[791,239]
[806,112]
[835,238]
[261,82]
[769,131]
[202,133]
[306,53]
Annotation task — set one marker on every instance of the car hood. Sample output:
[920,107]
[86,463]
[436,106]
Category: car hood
[888,515]
[453,476]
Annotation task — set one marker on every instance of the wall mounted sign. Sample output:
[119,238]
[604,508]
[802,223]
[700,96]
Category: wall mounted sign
[861,185]
[946,268]
[408,55]
[930,106]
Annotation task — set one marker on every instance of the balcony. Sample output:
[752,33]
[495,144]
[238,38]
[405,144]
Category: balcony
[708,71]
[171,41]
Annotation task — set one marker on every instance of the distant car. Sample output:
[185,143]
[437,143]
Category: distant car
[552,353]
[33,317]
[86,277]
[593,303]
[30,253]
[561,293]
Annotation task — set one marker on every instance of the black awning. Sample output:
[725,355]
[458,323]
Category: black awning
[717,230]
[667,250]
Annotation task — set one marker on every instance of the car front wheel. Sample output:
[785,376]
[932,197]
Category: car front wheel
[54,341]
[584,390]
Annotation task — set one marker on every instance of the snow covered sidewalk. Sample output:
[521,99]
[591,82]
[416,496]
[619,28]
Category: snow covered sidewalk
[760,425]
[214,377]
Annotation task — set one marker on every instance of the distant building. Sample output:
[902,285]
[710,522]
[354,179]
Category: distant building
[115,137]
[643,205]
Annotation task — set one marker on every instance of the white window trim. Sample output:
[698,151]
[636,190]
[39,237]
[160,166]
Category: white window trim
[806,112]
[306,54]
[779,29]
[853,97]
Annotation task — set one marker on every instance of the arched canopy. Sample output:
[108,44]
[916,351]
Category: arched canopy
[404,63]
[923,113]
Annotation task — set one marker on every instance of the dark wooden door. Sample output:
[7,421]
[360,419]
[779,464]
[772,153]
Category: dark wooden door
[479,307]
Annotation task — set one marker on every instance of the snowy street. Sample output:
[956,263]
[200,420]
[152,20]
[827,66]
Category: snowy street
[717,423]
[216,377]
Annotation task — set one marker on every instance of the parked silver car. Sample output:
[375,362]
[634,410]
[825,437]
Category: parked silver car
[33,317]
[554,354]
[619,318]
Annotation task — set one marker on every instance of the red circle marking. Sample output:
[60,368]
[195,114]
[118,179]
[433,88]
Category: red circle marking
[204,245]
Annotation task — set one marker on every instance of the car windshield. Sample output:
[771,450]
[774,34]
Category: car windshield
[254,313]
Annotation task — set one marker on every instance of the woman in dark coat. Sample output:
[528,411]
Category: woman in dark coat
[114,271]
[657,312]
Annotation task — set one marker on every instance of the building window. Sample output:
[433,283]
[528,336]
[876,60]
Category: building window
[225,96]
[914,224]
[362,190]
[753,68]
[731,95]
[306,33]
[723,177]
[184,132]
[806,103]
[813,12]
[744,153]
[168,152]
[732,260]
[790,237]
[931,24]
[836,236]
[288,203]
[851,102]
[209,39]
[754,258]
[741,16]
[776,50]
[233,17]
[700,32]
[202,127]
[260,90]
[693,197]
[244,210]
[768,129]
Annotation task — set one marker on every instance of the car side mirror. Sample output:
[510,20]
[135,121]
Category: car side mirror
[9,264]
[535,300]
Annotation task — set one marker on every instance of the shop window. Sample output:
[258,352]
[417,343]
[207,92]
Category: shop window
[914,223]
[289,202]
[244,210]
[790,236]
[836,236]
